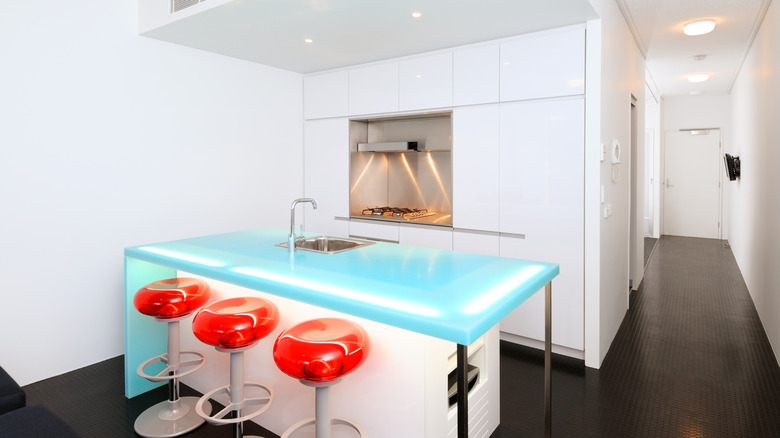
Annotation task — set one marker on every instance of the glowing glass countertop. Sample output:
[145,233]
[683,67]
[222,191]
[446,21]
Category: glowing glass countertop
[445,294]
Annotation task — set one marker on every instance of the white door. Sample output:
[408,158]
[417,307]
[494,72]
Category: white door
[692,184]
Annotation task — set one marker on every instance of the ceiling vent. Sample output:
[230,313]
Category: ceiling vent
[178,5]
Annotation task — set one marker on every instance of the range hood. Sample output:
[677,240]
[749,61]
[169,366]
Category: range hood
[388,146]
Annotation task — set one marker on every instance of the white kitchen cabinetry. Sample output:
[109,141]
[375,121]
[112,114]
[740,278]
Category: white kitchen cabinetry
[326,95]
[545,65]
[373,89]
[542,166]
[374,230]
[425,82]
[475,242]
[426,236]
[326,175]
[475,165]
[542,172]
[476,75]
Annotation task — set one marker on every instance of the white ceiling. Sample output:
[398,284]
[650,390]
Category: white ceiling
[657,26]
[350,32]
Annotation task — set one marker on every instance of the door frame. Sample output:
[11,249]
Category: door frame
[720,178]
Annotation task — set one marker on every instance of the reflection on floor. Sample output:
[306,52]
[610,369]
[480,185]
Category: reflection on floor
[691,359]
[649,245]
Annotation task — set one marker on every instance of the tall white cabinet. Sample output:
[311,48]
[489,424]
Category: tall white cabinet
[326,175]
[541,198]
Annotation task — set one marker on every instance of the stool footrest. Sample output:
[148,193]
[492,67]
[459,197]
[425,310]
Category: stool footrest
[335,421]
[169,372]
[256,405]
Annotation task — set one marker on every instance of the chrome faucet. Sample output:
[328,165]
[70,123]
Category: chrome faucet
[291,237]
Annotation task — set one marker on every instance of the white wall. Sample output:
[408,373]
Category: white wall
[755,205]
[622,73]
[111,140]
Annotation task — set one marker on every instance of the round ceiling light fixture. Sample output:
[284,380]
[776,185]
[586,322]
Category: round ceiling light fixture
[699,27]
[700,77]
[416,14]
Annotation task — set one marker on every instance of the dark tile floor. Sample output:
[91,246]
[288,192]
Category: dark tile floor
[691,359]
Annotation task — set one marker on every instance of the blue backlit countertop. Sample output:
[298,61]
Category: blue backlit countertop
[445,294]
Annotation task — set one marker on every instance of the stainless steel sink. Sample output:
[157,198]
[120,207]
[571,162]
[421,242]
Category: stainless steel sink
[327,244]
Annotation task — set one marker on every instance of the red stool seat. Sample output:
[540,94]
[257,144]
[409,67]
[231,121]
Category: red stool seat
[235,322]
[233,325]
[321,350]
[170,301]
[172,298]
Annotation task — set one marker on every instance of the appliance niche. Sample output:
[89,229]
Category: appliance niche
[406,183]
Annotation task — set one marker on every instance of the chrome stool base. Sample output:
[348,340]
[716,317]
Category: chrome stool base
[169,419]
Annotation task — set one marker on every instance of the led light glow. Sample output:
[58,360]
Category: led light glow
[701,77]
[343,292]
[416,14]
[182,256]
[493,295]
[699,27]
[308,40]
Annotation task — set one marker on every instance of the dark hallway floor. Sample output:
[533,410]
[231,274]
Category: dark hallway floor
[691,359]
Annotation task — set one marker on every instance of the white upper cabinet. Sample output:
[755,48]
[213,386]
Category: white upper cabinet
[425,82]
[326,95]
[373,89]
[475,167]
[326,174]
[476,75]
[547,65]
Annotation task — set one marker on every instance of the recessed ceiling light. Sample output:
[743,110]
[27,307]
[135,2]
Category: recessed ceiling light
[699,27]
[701,77]
[416,14]
[308,40]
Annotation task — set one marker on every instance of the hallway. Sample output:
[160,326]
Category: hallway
[691,359]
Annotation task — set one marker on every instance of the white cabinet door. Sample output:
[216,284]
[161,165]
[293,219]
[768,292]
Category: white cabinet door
[425,82]
[374,230]
[326,95]
[568,297]
[426,236]
[542,180]
[326,174]
[475,242]
[373,89]
[476,75]
[546,65]
[475,168]
[542,166]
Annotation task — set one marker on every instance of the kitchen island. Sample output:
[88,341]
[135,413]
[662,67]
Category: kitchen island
[415,302]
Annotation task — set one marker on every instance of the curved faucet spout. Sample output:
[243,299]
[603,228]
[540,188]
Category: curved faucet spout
[291,237]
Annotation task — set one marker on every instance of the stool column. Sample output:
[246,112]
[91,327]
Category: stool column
[322,411]
[237,389]
[174,352]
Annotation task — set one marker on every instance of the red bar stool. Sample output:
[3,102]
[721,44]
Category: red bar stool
[170,301]
[233,325]
[318,353]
